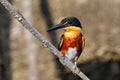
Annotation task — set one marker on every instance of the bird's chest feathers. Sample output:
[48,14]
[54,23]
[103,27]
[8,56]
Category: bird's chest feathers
[72,39]
[72,42]
[71,34]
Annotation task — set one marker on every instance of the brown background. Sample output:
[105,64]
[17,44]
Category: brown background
[28,60]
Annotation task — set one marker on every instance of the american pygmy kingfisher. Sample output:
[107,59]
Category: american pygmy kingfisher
[72,41]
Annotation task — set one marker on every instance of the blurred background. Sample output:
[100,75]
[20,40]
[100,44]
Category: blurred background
[22,56]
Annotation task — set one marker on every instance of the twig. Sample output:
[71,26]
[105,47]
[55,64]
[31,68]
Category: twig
[64,60]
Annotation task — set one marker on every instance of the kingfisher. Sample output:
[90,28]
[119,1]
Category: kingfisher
[72,42]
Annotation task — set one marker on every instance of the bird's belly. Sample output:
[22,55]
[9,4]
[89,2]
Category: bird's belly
[71,54]
[72,47]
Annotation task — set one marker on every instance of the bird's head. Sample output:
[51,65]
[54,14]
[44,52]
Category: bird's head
[66,23]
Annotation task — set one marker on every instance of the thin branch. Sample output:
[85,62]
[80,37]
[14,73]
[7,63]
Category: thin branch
[64,60]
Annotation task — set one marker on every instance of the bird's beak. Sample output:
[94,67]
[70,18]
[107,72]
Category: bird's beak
[58,26]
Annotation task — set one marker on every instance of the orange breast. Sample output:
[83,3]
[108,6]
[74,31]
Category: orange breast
[72,42]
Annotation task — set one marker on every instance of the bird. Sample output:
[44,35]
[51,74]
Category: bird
[72,41]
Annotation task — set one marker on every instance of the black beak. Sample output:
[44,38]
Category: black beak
[58,26]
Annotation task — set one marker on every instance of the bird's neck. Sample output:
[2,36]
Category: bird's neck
[72,31]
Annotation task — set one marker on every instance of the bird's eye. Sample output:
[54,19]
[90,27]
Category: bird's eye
[69,22]
[66,22]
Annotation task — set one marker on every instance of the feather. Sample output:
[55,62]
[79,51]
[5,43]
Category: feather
[60,42]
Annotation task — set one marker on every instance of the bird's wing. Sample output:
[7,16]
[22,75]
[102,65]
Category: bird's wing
[60,42]
[83,42]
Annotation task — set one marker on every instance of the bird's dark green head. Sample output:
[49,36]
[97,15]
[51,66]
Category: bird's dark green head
[66,22]
[71,21]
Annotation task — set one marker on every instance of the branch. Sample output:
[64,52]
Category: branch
[64,60]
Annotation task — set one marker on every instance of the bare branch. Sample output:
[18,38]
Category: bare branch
[64,60]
